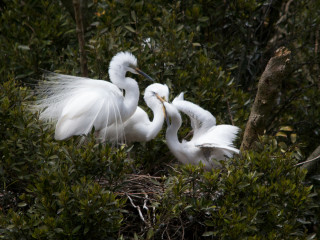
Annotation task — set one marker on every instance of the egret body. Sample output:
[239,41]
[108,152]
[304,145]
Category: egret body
[78,104]
[209,142]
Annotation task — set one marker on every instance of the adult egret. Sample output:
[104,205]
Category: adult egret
[139,128]
[209,142]
[78,104]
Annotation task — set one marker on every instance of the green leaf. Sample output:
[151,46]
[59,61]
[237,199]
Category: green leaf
[208,234]
[312,236]
[86,230]
[60,210]
[203,19]
[130,29]
[150,233]
[133,16]
[281,134]
[24,47]
[58,230]
[22,204]
[293,137]
[286,128]
[179,28]
[76,229]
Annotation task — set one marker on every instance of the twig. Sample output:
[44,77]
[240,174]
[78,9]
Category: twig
[139,210]
[313,165]
[182,237]
[229,110]
[168,233]
[301,163]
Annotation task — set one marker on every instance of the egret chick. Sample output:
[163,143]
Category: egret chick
[139,128]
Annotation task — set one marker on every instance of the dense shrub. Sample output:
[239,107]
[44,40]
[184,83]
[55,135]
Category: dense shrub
[256,196]
[60,210]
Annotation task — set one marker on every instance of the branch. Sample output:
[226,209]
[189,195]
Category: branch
[80,32]
[268,90]
[311,164]
[85,11]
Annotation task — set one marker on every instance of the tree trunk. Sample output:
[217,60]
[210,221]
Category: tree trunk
[86,13]
[80,32]
[265,101]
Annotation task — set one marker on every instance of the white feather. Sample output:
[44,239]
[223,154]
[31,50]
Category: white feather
[77,104]
[139,128]
[209,142]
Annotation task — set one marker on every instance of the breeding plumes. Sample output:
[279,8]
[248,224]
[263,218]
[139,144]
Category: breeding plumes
[77,104]
[139,128]
[209,144]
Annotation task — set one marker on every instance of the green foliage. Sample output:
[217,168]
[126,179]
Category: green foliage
[60,210]
[258,196]
[24,145]
[30,32]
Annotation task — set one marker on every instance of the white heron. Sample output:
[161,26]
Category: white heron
[139,128]
[210,142]
[78,104]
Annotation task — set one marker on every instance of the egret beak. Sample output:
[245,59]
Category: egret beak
[162,101]
[167,117]
[143,74]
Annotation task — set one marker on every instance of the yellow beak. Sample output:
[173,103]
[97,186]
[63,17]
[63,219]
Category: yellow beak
[162,101]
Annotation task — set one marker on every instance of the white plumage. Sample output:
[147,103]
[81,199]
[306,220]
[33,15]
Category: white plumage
[209,142]
[139,128]
[78,104]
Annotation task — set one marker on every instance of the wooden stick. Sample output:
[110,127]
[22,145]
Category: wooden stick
[80,32]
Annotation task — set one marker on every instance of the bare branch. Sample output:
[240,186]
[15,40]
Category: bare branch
[80,32]
[139,210]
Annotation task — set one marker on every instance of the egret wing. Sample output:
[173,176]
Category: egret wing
[78,104]
[221,136]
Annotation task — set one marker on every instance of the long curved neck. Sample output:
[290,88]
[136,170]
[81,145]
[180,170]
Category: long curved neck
[131,98]
[157,122]
[172,133]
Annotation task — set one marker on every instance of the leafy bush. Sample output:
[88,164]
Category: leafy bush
[257,196]
[60,210]
[24,142]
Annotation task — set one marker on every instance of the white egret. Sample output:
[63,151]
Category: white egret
[78,104]
[209,144]
[139,128]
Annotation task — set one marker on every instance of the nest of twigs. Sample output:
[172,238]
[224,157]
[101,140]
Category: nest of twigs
[141,191]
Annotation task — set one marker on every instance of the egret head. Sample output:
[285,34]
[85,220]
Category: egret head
[156,90]
[121,63]
[155,94]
